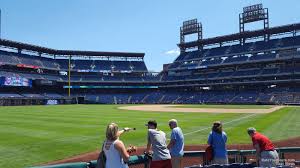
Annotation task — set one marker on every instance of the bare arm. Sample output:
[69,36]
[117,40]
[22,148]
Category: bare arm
[119,145]
[148,147]
[171,143]
[148,143]
[257,148]
[209,140]
[122,131]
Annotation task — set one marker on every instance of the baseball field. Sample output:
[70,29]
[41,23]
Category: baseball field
[33,135]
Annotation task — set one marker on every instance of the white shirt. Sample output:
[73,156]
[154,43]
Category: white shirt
[113,157]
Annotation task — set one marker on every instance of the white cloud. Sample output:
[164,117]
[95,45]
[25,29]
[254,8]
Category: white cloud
[174,52]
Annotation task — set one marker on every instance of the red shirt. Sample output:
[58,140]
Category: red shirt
[264,143]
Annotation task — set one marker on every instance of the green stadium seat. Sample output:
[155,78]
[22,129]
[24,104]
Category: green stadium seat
[66,165]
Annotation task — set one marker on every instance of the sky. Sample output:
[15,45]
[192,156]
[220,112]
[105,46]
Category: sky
[148,26]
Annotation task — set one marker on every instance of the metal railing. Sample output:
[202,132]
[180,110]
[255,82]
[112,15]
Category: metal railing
[238,156]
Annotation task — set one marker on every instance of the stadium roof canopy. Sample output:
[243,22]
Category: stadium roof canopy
[246,34]
[44,50]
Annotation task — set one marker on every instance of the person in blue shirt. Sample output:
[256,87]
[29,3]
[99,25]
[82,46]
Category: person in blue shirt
[217,139]
[176,144]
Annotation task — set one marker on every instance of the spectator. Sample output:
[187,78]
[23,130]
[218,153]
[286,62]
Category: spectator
[217,139]
[266,155]
[114,149]
[176,144]
[161,157]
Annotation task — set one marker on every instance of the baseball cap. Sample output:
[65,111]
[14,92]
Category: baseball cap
[151,122]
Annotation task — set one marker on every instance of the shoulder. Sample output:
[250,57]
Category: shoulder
[151,131]
[162,132]
[175,130]
[118,144]
[179,129]
[118,141]
[257,135]
[224,133]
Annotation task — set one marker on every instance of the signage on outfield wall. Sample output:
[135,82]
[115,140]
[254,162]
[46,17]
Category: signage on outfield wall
[83,70]
[52,102]
[90,70]
[15,81]
[201,66]
[28,66]
[111,87]
[192,67]
[104,71]
[64,73]
[126,71]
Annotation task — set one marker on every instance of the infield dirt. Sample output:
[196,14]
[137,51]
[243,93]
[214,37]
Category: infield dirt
[175,108]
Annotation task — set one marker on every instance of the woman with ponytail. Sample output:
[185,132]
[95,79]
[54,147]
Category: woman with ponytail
[217,139]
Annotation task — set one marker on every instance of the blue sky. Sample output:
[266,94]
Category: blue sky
[150,26]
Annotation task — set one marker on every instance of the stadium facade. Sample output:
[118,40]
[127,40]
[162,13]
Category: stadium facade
[249,67]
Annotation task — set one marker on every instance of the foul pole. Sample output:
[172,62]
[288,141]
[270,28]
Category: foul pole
[69,74]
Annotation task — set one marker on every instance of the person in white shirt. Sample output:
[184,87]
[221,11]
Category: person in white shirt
[116,154]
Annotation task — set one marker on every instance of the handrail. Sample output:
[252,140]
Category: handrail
[66,165]
[143,159]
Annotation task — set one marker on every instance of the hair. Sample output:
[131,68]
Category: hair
[112,131]
[153,123]
[217,127]
[251,130]
[174,121]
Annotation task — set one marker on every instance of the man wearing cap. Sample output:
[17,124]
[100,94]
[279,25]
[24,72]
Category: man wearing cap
[176,144]
[266,154]
[161,157]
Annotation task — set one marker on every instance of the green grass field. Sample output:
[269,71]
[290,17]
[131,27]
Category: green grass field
[31,135]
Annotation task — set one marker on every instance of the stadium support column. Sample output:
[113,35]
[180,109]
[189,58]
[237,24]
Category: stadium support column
[69,77]
[0,22]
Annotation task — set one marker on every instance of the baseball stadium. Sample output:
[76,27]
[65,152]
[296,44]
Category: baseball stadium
[55,104]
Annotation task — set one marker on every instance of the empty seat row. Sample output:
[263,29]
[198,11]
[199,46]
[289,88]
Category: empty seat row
[48,63]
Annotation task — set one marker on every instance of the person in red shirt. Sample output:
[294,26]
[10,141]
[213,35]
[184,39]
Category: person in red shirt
[266,155]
